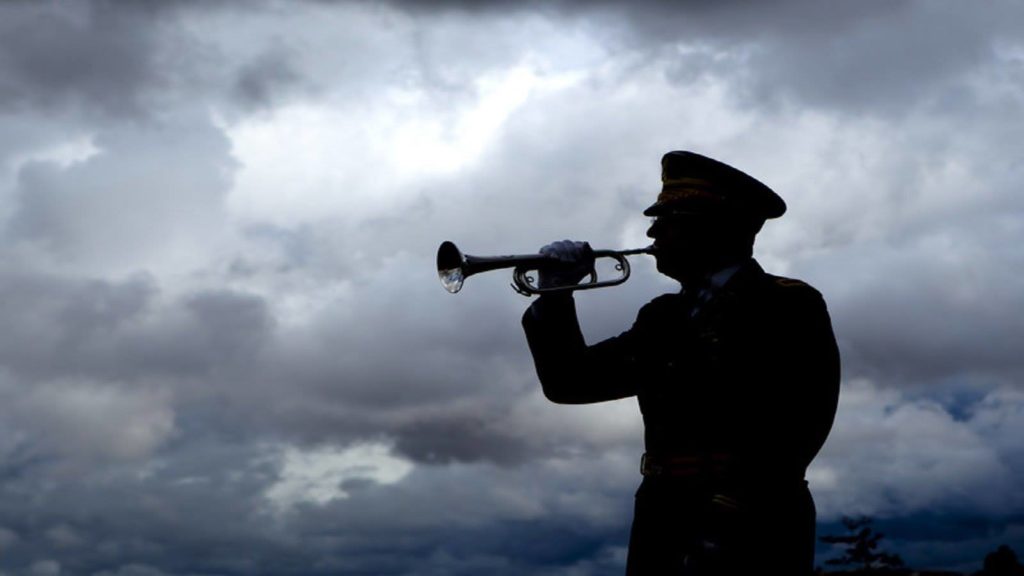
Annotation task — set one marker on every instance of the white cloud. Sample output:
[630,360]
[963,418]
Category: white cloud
[890,455]
[318,475]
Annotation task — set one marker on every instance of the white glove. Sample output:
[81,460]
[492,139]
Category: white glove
[575,262]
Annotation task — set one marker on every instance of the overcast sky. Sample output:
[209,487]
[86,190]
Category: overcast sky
[225,349]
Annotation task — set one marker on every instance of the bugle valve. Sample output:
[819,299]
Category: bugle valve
[453,267]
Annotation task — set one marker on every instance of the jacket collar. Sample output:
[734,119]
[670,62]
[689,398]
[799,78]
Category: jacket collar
[748,273]
[729,277]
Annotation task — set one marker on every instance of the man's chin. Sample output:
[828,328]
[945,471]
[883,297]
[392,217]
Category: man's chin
[674,269]
[668,269]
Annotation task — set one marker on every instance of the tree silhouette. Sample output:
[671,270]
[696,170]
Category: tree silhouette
[1002,562]
[861,548]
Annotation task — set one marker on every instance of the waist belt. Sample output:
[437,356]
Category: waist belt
[685,466]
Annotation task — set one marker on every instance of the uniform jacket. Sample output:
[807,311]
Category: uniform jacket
[754,374]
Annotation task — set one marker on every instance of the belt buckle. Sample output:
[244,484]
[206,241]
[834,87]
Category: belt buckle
[648,467]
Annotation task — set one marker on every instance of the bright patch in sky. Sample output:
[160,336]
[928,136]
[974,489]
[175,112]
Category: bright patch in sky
[305,161]
[316,476]
[428,145]
[64,153]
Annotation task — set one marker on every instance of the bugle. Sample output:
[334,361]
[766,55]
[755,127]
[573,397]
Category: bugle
[453,267]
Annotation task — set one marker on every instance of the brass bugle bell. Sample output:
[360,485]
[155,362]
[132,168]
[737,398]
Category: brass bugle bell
[453,267]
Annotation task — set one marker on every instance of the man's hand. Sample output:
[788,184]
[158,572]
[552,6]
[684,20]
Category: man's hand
[575,261]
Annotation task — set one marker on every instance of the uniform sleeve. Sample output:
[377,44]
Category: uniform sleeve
[570,371]
[803,376]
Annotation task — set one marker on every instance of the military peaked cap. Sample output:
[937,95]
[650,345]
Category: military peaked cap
[695,184]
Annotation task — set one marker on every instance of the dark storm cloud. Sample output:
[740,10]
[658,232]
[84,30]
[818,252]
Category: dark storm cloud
[128,59]
[896,334]
[862,58]
[464,438]
[260,81]
[187,354]
[922,259]
[98,371]
[94,523]
[93,54]
[442,389]
[118,366]
[201,509]
[158,361]
[50,322]
[236,323]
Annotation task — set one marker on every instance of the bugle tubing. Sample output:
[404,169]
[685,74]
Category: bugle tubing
[453,267]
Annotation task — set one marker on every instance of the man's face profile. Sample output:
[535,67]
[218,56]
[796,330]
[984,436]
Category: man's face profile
[681,243]
[692,245]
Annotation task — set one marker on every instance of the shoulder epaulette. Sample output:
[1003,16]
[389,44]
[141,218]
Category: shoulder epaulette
[782,282]
[791,287]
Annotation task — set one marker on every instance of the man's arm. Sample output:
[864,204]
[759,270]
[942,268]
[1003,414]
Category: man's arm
[802,375]
[571,372]
[817,374]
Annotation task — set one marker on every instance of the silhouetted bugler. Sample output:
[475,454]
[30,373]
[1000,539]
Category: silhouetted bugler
[736,375]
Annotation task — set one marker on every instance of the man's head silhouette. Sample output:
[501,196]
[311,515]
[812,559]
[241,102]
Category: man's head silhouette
[706,215]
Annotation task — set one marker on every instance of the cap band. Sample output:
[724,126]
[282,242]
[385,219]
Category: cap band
[685,182]
[672,195]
